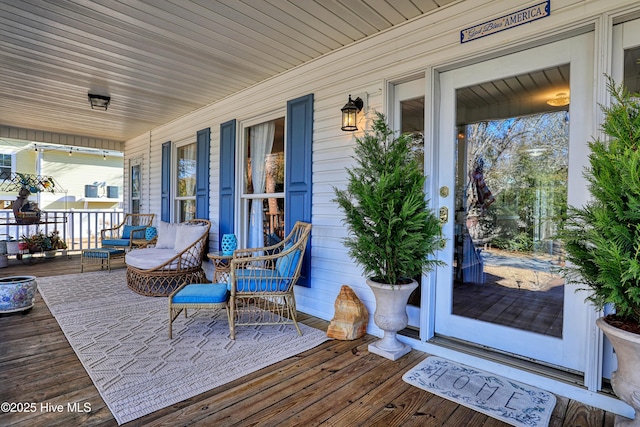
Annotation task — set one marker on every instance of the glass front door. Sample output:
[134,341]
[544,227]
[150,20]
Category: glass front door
[505,151]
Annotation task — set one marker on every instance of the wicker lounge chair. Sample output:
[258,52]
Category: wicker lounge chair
[159,270]
[132,227]
[262,280]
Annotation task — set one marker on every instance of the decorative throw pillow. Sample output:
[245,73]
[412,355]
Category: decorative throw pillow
[150,233]
[166,235]
[186,236]
[286,265]
[126,231]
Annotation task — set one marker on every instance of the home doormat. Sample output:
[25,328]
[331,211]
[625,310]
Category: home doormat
[507,400]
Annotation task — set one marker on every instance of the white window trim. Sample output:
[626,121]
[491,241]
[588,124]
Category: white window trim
[132,163]
[174,176]
[241,206]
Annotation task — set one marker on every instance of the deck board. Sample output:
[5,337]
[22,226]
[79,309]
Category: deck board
[338,383]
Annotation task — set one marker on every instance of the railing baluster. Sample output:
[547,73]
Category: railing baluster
[72,225]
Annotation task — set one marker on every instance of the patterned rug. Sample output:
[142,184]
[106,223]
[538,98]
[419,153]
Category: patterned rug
[121,338]
[498,397]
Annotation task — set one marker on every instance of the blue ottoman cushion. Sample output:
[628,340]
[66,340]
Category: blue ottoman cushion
[202,293]
[101,253]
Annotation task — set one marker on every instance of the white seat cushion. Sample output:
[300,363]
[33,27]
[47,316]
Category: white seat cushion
[149,258]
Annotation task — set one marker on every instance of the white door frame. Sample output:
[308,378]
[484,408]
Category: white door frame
[568,351]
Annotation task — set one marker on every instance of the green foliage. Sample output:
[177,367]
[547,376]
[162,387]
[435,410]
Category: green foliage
[602,238]
[44,242]
[391,231]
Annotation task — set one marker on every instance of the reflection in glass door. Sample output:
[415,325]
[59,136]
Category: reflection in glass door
[512,176]
[408,118]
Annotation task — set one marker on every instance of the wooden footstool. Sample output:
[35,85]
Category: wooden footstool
[100,256]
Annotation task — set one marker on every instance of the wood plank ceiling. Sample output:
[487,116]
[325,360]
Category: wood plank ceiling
[161,59]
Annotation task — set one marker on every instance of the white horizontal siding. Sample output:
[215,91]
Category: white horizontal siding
[411,49]
[74,172]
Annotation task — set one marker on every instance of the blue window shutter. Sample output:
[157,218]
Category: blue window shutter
[165,186]
[203,142]
[298,171]
[227,177]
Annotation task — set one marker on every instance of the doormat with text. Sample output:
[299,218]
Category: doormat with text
[507,400]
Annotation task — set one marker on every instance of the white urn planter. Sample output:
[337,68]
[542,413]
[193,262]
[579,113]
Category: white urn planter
[626,379]
[391,316]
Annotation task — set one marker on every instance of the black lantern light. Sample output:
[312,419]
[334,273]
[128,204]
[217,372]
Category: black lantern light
[349,114]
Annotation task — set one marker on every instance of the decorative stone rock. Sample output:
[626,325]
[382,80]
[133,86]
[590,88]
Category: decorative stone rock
[350,318]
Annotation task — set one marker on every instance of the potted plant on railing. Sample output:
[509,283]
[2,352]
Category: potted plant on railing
[392,233]
[602,240]
[47,243]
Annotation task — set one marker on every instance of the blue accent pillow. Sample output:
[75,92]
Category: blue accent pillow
[133,232]
[202,293]
[126,231]
[150,233]
[286,265]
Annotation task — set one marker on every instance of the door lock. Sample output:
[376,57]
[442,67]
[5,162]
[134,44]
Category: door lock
[444,215]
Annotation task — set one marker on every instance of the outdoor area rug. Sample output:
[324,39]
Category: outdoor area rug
[498,397]
[121,338]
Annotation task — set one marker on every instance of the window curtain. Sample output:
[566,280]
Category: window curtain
[261,145]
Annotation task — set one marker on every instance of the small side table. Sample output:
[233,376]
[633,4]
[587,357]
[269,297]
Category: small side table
[222,264]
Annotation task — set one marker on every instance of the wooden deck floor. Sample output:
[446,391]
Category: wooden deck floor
[338,383]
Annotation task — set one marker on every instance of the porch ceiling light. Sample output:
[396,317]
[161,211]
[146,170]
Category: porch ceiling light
[561,99]
[99,101]
[349,114]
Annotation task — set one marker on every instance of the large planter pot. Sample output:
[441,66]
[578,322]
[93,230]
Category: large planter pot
[626,379]
[17,293]
[391,316]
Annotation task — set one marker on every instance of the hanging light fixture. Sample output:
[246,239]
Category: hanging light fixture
[100,102]
[350,113]
[560,100]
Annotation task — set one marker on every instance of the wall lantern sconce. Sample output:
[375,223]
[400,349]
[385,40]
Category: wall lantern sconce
[349,114]
[560,100]
[99,101]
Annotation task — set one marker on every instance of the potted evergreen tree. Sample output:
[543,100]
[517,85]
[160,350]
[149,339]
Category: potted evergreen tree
[602,239]
[392,233]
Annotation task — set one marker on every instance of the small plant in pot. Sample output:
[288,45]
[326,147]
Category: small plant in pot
[392,233]
[602,240]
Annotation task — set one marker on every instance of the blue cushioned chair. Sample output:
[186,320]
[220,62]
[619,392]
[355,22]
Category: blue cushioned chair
[261,281]
[197,296]
[133,227]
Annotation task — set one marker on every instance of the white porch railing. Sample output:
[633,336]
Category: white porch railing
[80,229]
